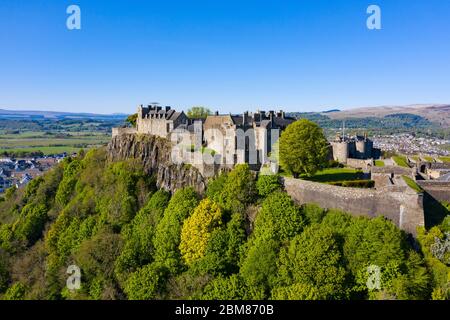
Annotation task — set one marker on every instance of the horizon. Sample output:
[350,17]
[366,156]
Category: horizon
[302,56]
[339,109]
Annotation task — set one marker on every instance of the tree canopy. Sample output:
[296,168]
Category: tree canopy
[244,238]
[198,112]
[303,148]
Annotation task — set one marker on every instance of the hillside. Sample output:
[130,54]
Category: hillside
[439,114]
[244,238]
[56,115]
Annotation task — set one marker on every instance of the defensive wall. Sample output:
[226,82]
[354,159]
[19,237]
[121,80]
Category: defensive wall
[439,190]
[403,206]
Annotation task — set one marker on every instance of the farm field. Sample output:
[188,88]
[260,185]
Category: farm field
[29,142]
[37,137]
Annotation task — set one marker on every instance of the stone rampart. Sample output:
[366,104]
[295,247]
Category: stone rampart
[403,206]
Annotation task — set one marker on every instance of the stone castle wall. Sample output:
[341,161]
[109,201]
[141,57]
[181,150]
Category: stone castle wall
[359,163]
[120,131]
[402,207]
[439,190]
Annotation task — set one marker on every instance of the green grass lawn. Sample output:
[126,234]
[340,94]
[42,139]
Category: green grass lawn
[401,161]
[334,175]
[51,143]
[379,163]
[428,158]
[45,150]
[445,159]
[416,158]
[412,184]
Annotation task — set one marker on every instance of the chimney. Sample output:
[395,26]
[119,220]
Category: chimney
[216,113]
[244,118]
[158,108]
[167,108]
[263,115]
[271,117]
[282,115]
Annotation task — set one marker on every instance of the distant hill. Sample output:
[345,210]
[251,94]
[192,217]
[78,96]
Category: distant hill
[30,115]
[332,110]
[439,114]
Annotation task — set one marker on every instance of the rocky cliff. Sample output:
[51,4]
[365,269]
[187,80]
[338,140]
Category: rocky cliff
[155,155]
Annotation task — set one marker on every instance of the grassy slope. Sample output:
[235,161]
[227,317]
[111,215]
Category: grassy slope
[379,163]
[412,184]
[401,161]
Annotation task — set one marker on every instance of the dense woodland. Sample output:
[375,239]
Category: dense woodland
[243,239]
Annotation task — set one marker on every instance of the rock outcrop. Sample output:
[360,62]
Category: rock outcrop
[155,155]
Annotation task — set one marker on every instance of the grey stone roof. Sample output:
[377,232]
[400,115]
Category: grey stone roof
[445,177]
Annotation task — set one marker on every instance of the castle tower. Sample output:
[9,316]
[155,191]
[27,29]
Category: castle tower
[361,149]
[340,151]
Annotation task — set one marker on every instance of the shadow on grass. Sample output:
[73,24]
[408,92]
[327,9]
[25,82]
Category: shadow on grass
[334,177]
[435,212]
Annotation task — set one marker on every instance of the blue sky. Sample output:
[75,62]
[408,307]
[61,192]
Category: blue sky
[228,55]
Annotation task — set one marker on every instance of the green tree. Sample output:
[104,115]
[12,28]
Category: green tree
[266,184]
[138,249]
[67,185]
[439,271]
[96,258]
[216,186]
[168,231]
[239,189]
[10,193]
[4,274]
[221,288]
[131,119]
[259,267]
[223,249]
[303,148]
[198,112]
[15,292]
[313,213]
[279,217]
[197,229]
[373,241]
[31,223]
[146,283]
[297,291]
[314,258]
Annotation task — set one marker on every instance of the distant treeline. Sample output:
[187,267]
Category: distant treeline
[22,154]
[70,125]
[390,124]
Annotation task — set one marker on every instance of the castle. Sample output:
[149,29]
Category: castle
[345,149]
[230,139]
